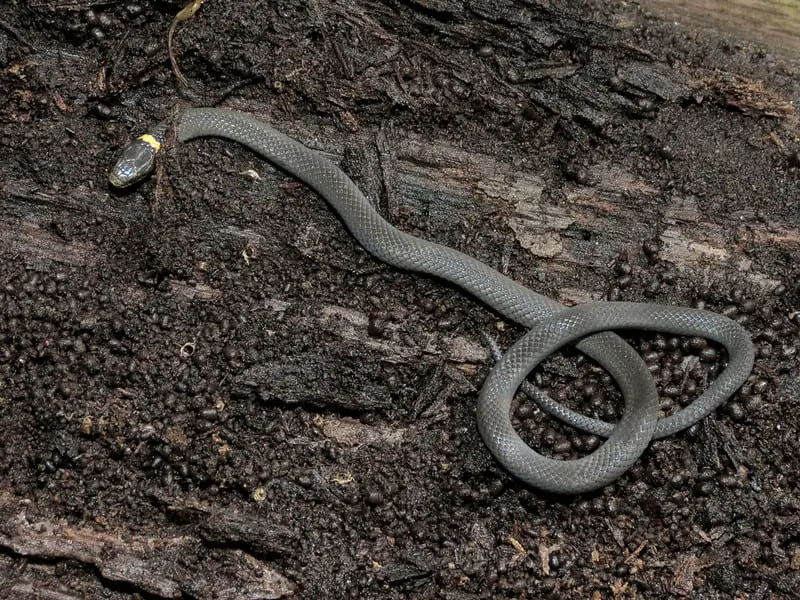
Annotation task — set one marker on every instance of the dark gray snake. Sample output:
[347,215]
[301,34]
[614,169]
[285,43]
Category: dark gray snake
[551,325]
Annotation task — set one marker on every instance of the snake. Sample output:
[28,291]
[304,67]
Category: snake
[589,327]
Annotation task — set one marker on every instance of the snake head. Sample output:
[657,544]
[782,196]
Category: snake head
[137,160]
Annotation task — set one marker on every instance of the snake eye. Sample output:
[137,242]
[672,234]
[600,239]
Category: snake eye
[137,161]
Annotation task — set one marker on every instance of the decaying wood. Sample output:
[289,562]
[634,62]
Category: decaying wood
[164,567]
[581,227]
[451,184]
[584,228]
[774,23]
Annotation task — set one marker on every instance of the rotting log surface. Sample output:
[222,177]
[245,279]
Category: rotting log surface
[207,390]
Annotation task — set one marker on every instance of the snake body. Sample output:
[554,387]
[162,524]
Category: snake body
[550,324]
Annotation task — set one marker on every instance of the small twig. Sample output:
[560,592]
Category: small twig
[186,13]
[186,90]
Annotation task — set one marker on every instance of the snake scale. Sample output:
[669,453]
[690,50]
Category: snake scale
[589,327]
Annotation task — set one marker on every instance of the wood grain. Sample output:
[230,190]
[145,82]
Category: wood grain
[775,23]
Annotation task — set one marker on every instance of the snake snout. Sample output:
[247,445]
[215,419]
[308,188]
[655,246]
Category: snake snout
[136,162]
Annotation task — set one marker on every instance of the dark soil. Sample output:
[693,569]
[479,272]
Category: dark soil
[208,390]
